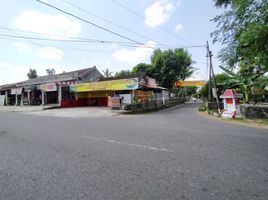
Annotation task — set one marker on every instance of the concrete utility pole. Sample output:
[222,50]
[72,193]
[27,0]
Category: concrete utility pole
[212,75]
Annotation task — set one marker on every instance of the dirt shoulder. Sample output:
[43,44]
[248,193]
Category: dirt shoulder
[256,123]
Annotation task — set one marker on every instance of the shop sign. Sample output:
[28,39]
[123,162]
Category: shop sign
[190,83]
[16,91]
[49,87]
[121,84]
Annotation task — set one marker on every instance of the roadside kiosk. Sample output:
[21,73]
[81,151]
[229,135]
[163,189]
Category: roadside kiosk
[231,101]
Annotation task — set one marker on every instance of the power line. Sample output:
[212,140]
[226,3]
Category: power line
[100,41]
[76,41]
[51,50]
[106,20]
[88,22]
[143,18]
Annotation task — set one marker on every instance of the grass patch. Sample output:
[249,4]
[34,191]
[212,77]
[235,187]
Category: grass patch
[202,108]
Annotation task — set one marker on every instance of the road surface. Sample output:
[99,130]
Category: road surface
[171,154]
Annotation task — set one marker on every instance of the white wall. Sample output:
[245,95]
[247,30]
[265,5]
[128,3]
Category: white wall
[126,98]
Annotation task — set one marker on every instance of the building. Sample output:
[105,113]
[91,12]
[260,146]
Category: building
[130,89]
[49,89]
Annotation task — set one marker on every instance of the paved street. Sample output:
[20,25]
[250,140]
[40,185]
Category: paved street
[171,154]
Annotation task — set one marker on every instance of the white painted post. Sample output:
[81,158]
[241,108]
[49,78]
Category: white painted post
[6,98]
[59,94]
[21,98]
[163,97]
[16,98]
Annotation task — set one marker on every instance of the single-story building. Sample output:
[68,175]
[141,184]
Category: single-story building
[8,94]
[130,89]
[49,89]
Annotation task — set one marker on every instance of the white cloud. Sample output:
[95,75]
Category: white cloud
[178,28]
[30,20]
[23,47]
[140,54]
[51,53]
[12,73]
[158,13]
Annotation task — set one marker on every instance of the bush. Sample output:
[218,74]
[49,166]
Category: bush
[202,108]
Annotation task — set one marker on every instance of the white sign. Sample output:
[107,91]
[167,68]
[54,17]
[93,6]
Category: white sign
[50,87]
[2,100]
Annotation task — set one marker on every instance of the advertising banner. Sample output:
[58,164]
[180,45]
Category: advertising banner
[49,87]
[121,84]
[190,83]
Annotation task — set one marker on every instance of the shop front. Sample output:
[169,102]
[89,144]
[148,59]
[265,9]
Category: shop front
[99,93]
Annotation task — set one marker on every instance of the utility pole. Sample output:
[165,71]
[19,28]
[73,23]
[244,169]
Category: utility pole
[209,80]
[212,75]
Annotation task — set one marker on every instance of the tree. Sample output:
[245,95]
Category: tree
[143,68]
[107,73]
[190,90]
[243,30]
[224,81]
[171,65]
[32,74]
[50,71]
[123,73]
[246,79]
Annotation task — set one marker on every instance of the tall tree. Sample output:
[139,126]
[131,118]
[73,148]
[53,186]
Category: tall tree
[107,73]
[171,65]
[242,30]
[32,74]
[50,71]
[143,68]
[123,73]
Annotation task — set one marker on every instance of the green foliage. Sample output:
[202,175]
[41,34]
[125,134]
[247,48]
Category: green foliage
[223,80]
[143,68]
[171,65]
[246,78]
[189,91]
[107,73]
[123,73]
[32,74]
[243,30]
[202,108]
[50,71]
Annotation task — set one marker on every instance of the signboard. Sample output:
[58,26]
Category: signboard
[190,83]
[49,87]
[121,84]
[16,91]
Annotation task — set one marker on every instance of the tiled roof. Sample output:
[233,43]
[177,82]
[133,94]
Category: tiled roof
[73,75]
[7,86]
[231,94]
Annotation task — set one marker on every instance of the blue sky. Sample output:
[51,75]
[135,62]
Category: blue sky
[151,23]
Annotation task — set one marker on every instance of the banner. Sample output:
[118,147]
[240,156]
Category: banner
[121,84]
[49,87]
[190,83]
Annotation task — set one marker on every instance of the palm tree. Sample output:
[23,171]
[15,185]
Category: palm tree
[107,73]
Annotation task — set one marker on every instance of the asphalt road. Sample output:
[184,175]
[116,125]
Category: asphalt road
[171,154]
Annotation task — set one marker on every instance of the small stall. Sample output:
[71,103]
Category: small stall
[231,101]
